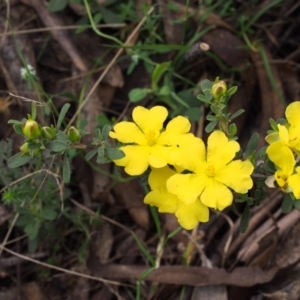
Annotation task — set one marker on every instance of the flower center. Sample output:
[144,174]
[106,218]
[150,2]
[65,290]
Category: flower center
[210,171]
[151,137]
[281,180]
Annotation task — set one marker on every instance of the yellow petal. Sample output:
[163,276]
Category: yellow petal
[283,134]
[128,132]
[135,160]
[150,119]
[158,177]
[294,183]
[158,156]
[272,137]
[190,215]
[292,113]
[294,137]
[216,195]
[178,125]
[281,155]
[236,175]
[187,187]
[161,198]
[188,153]
[220,150]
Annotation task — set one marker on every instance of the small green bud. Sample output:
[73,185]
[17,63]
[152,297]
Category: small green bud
[31,129]
[73,134]
[48,133]
[24,148]
[219,89]
[26,151]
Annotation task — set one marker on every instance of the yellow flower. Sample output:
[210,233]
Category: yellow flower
[284,176]
[149,144]
[287,139]
[188,215]
[213,174]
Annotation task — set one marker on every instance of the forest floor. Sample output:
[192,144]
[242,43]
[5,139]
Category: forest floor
[94,238]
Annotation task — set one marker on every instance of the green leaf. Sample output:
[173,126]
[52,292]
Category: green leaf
[193,113]
[206,86]
[252,144]
[296,204]
[236,114]
[210,127]
[138,94]
[114,153]
[204,98]
[66,169]
[245,219]
[97,18]
[61,136]
[109,17]
[32,229]
[18,160]
[179,100]
[90,154]
[273,124]
[57,146]
[231,91]
[159,70]
[214,109]
[165,90]
[62,115]
[101,158]
[49,214]
[15,122]
[18,128]
[98,134]
[57,5]
[232,130]
[105,131]
[287,204]
[102,120]
[101,151]
[211,118]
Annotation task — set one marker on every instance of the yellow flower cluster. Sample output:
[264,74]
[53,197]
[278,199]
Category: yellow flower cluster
[186,178]
[284,150]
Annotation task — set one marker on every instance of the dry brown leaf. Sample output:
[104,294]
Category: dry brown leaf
[210,292]
[228,47]
[173,32]
[61,36]
[129,245]
[131,194]
[29,291]
[92,49]
[103,241]
[32,291]
[104,293]
[186,275]
[290,292]
[290,82]
[288,253]
[81,288]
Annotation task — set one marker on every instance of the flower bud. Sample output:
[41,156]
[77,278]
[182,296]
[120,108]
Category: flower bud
[48,133]
[26,151]
[31,129]
[219,89]
[73,134]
